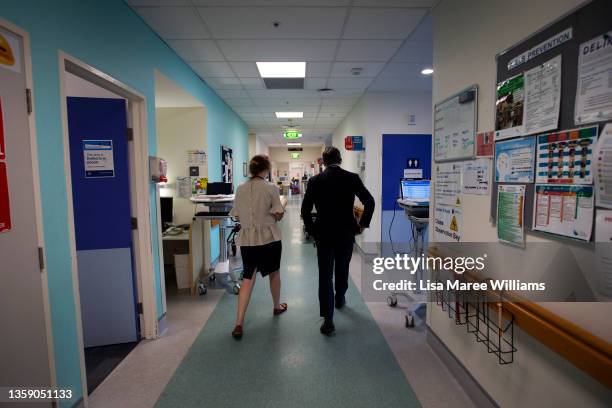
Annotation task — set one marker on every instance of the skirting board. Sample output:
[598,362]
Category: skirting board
[469,384]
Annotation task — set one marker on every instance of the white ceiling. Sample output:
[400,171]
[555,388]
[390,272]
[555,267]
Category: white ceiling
[390,40]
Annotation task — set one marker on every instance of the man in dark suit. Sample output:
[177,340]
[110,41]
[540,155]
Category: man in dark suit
[333,195]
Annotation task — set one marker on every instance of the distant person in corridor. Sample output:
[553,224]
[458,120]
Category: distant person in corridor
[258,208]
[332,193]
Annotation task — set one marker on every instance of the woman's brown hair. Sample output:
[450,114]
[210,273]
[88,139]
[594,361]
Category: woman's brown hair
[258,164]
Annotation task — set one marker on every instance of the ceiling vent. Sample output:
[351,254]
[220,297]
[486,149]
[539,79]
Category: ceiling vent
[284,83]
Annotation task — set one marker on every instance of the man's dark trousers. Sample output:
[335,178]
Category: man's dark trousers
[334,258]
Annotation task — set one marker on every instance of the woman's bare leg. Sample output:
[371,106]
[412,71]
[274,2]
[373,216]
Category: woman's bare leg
[275,287]
[243,298]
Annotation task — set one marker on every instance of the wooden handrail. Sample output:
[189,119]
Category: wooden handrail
[584,350]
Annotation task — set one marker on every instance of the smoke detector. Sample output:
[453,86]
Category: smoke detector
[356,71]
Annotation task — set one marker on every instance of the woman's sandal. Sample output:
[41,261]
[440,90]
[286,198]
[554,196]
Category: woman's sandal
[283,309]
[237,333]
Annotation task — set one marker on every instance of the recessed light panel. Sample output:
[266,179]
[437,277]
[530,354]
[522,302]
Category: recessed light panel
[285,115]
[282,69]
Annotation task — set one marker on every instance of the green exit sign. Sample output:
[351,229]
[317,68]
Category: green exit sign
[295,155]
[292,134]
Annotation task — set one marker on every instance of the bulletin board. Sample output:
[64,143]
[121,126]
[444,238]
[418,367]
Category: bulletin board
[586,23]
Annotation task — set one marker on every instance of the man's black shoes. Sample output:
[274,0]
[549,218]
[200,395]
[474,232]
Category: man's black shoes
[340,303]
[328,328]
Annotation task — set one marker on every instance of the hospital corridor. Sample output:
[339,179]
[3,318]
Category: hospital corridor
[305,203]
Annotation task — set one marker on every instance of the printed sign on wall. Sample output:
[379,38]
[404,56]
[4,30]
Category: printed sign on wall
[10,52]
[99,161]
[5,209]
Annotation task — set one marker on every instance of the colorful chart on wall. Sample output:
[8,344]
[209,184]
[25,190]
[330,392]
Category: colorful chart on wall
[455,126]
[509,107]
[514,160]
[566,157]
[510,214]
[566,210]
[603,168]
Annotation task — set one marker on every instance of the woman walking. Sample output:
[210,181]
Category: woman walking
[258,208]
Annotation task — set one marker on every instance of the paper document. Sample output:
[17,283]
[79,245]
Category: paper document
[447,186]
[510,214]
[603,168]
[594,89]
[476,176]
[514,160]
[509,108]
[603,251]
[543,96]
[183,187]
[564,210]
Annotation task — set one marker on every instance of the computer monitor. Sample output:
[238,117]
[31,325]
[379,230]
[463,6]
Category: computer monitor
[219,188]
[414,190]
[166,211]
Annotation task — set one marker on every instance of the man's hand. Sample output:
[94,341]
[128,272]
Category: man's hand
[278,216]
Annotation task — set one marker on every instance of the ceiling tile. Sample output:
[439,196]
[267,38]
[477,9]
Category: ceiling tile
[349,83]
[257,22]
[415,51]
[367,50]
[236,102]
[268,3]
[368,69]
[331,116]
[400,84]
[424,32]
[402,69]
[395,3]
[338,110]
[344,93]
[196,50]
[247,110]
[278,50]
[159,2]
[338,101]
[227,93]
[174,22]
[315,83]
[252,83]
[282,103]
[382,23]
[223,83]
[318,69]
[245,69]
[284,93]
[213,69]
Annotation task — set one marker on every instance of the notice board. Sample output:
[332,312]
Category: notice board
[587,22]
[455,121]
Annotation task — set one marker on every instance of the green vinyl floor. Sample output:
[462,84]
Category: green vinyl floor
[284,361]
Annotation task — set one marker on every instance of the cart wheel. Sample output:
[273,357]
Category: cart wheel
[202,289]
[409,321]
[392,301]
[234,249]
[236,289]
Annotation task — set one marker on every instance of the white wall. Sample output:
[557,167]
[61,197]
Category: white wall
[465,55]
[257,145]
[179,130]
[375,114]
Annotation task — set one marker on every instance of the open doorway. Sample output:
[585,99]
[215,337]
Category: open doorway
[105,153]
[182,143]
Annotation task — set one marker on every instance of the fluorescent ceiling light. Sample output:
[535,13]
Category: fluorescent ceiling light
[427,71]
[294,144]
[285,115]
[282,69]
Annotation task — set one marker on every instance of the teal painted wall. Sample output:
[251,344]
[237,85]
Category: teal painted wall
[108,35]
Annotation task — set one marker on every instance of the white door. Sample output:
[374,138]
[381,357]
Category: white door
[24,355]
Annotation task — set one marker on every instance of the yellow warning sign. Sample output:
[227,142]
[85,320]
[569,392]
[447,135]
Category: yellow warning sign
[6,53]
[453,224]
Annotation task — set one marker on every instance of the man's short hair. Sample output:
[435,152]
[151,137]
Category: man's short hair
[331,155]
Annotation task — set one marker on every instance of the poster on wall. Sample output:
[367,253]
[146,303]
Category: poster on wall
[565,210]
[514,160]
[476,176]
[603,168]
[455,126]
[98,156]
[603,251]
[448,184]
[566,157]
[198,185]
[510,214]
[448,223]
[196,157]
[509,107]
[484,144]
[594,88]
[5,209]
[227,165]
[543,96]
[10,52]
